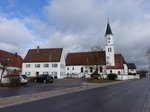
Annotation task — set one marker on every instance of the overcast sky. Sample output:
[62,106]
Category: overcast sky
[76,25]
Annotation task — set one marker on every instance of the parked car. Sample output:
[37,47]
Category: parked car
[44,78]
[23,79]
[11,78]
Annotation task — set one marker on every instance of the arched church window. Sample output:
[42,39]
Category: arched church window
[110,71]
[101,69]
[81,69]
[110,50]
[91,69]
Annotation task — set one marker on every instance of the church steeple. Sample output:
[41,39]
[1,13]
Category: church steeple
[108,30]
[110,59]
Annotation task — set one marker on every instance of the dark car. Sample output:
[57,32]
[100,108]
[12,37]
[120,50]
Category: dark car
[44,78]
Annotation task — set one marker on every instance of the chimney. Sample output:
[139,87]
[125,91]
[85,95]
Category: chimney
[16,55]
[38,49]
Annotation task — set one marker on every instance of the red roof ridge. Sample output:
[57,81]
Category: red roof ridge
[46,48]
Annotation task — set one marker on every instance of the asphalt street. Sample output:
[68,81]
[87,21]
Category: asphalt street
[39,87]
[130,96]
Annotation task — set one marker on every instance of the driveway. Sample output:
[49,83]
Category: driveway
[39,87]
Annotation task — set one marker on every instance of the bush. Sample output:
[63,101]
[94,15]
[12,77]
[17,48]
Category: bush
[31,79]
[112,76]
[55,77]
[131,73]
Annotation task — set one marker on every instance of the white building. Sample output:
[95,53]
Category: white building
[14,62]
[131,68]
[79,65]
[44,61]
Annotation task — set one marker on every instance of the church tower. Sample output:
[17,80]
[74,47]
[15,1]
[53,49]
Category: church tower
[109,48]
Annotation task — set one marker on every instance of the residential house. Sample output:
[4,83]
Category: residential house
[14,61]
[131,68]
[44,61]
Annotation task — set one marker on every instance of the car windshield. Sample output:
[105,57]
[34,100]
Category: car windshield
[24,76]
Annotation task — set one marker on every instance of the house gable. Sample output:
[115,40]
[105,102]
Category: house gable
[15,60]
[43,55]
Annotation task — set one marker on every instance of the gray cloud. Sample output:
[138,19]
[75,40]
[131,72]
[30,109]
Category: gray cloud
[14,35]
[79,24]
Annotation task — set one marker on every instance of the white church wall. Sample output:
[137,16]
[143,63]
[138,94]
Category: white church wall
[116,71]
[127,77]
[125,68]
[75,71]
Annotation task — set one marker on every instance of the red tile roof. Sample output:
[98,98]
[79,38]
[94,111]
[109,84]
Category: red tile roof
[44,55]
[119,61]
[84,58]
[15,60]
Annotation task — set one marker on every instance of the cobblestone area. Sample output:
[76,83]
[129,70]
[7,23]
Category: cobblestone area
[4,102]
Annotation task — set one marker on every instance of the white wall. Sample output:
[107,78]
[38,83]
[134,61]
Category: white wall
[116,71]
[42,69]
[127,77]
[75,71]
[110,59]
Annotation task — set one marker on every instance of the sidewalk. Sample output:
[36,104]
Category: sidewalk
[9,101]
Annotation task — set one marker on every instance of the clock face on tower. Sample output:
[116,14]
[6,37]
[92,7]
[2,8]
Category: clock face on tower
[108,38]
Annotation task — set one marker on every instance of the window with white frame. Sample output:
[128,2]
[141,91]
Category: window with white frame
[45,65]
[45,72]
[81,69]
[54,73]
[91,69]
[37,65]
[27,73]
[28,65]
[54,65]
[62,66]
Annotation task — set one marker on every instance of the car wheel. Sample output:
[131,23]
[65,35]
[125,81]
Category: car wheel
[51,80]
[45,81]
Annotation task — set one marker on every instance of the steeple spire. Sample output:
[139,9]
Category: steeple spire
[108,29]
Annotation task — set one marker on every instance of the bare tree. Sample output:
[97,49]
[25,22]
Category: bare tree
[4,64]
[148,56]
[148,53]
[96,59]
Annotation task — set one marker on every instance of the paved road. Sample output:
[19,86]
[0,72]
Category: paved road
[39,87]
[125,97]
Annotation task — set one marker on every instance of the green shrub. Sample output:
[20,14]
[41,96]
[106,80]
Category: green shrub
[31,79]
[131,73]
[55,77]
[112,76]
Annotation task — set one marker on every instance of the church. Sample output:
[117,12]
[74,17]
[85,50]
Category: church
[82,64]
